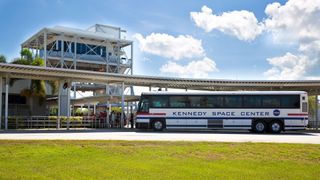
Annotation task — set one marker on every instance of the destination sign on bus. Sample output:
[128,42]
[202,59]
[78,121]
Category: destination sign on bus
[218,113]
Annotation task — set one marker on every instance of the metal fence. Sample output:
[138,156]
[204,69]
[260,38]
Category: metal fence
[39,122]
[313,124]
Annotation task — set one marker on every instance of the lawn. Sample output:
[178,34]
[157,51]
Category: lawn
[157,160]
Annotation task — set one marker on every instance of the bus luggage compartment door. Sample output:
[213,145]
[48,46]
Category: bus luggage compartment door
[215,123]
[197,123]
[237,123]
[175,123]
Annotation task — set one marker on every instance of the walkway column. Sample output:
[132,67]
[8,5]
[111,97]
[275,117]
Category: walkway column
[317,120]
[107,90]
[68,105]
[59,102]
[131,65]
[94,108]
[122,105]
[6,104]
[64,100]
[131,112]
[75,53]
[45,48]
[1,101]
[62,50]
[108,113]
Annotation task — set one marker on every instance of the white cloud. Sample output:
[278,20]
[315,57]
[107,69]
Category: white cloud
[241,24]
[199,69]
[176,48]
[288,66]
[295,22]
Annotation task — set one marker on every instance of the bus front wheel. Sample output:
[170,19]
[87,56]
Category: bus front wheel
[259,127]
[158,125]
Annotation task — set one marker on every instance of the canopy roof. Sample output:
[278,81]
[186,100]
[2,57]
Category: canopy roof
[46,73]
[53,34]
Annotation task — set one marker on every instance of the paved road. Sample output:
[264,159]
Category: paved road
[213,136]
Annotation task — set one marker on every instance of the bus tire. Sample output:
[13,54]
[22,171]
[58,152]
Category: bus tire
[275,126]
[259,126]
[158,125]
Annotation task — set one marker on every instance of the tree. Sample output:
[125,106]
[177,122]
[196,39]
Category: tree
[312,106]
[3,59]
[37,87]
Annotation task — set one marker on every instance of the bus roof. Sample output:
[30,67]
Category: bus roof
[226,93]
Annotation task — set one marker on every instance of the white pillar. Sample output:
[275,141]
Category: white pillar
[108,113]
[59,105]
[118,57]
[131,58]
[128,113]
[131,69]
[75,54]
[45,48]
[107,89]
[1,101]
[6,104]
[107,60]
[62,51]
[122,105]
[75,90]
[68,105]
[317,118]
[94,108]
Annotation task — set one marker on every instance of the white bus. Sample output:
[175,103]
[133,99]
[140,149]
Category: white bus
[258,111]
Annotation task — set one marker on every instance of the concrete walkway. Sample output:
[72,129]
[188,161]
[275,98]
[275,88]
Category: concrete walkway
[128,134]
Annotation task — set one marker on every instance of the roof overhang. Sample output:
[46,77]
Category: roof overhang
[46,73]
[36,41]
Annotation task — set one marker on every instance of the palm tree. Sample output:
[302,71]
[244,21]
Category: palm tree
[37,87]
[2,59]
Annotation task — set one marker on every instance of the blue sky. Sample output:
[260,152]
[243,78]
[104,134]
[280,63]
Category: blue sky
[225,54]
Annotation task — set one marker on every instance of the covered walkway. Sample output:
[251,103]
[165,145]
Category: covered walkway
[8,71]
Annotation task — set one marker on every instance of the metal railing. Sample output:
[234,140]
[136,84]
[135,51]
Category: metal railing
[40,122]
[313,124]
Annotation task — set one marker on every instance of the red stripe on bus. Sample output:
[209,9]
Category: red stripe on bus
[142,113]
[297,114]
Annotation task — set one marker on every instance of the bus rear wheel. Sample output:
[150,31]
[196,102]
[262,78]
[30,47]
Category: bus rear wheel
[259,127]
[158,125]
[275,126]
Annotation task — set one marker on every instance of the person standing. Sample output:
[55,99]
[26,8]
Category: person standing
[132,120]
[112,119]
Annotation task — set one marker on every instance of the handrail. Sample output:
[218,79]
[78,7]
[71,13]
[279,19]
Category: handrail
[31,122]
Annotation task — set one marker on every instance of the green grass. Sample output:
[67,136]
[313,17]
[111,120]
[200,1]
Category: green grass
[157,160]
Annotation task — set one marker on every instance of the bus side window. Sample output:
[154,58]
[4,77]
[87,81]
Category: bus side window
[159,102]
[290,101]
[215,101]
[178,101]
[196,101]
[270,101]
